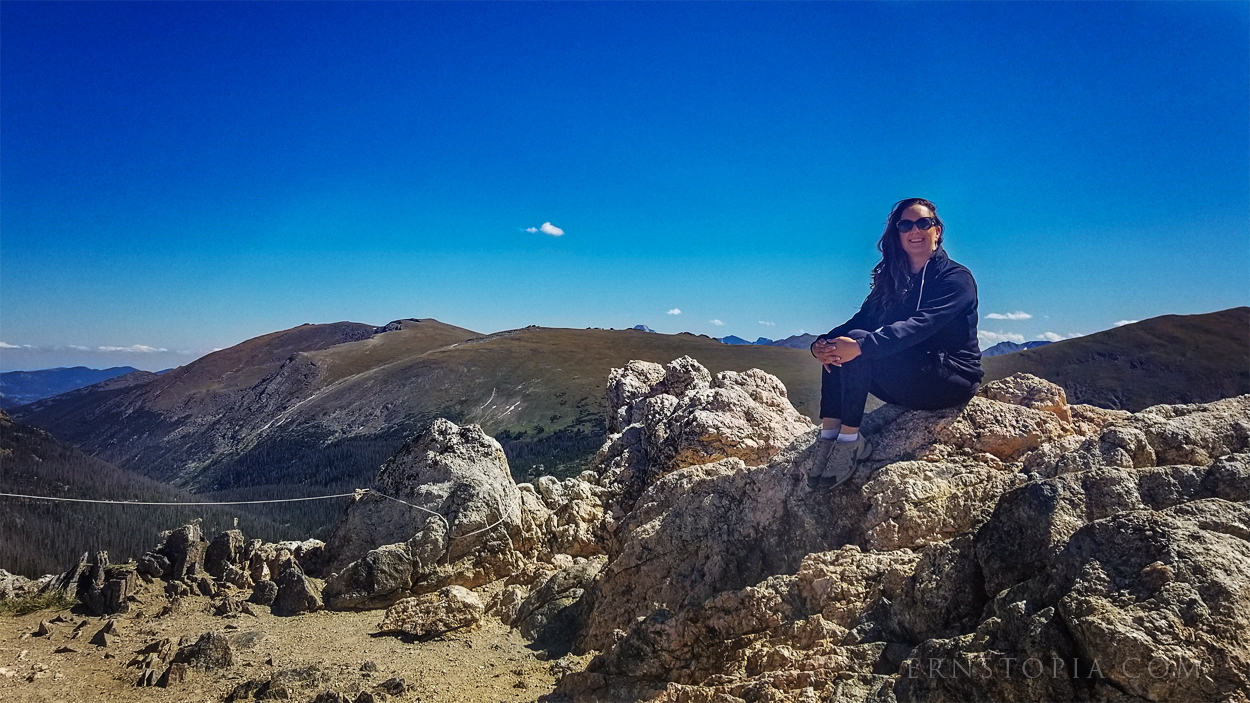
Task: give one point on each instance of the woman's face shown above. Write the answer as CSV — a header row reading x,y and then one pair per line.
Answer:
x,y
919,243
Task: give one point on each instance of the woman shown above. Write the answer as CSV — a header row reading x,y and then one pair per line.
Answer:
x,y
913,343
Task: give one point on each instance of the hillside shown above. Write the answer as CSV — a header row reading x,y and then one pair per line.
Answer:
x,y
296,408
1167,359
21,387
38,537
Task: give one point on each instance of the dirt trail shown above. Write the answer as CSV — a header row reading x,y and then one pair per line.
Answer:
x,y
489,664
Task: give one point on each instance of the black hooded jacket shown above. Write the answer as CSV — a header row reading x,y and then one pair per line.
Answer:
x,y
937,319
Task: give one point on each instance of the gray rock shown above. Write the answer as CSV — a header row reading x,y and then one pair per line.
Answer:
x,y
937,562
68,582
154,565
377,580
210,651
236,577
224,551
296,594
264,593
553,612
184,548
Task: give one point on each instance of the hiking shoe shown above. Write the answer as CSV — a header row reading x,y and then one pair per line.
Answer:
x,y
843,460
820,456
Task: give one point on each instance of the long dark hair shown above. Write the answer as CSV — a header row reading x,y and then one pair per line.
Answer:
x,y
891,275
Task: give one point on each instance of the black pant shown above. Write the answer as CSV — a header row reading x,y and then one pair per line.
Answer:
x,y
914,380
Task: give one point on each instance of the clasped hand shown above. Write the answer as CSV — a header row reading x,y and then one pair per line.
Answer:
x,y
835,352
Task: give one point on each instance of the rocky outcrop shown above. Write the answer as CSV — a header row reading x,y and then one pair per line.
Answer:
x,y
106,589
1017,532
664,418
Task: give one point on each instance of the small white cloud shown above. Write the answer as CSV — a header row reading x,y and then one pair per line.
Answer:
x,y
996,337
674,311
769,324
1122,323
79,347
546,228
718,323
5,345
137,348
1018,315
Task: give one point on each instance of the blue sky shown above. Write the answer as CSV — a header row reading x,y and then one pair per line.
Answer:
x,y
184,176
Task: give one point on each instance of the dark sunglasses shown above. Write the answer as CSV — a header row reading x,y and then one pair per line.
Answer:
x,y
925,223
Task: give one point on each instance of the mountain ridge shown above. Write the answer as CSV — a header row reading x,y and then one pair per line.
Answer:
x,y
22,387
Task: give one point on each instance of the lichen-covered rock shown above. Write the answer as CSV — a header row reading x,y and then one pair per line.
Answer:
x,y
913,503
1001,430
16,586
711,528
1031,392
625,386
460,474
447,609
1145,587
576,520
1195,434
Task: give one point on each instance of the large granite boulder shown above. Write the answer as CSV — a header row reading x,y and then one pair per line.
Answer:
x,y
448,506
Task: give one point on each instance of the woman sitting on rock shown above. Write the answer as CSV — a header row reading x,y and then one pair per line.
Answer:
x,y
913,343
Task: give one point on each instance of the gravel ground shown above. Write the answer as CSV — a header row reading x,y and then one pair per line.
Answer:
x,y
312,653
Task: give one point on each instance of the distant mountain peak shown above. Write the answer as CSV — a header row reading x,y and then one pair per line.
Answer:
x,y
1009,347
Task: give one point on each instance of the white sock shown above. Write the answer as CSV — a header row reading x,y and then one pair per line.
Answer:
x,y
828,434
848,437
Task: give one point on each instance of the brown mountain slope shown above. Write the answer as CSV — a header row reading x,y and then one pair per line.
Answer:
x,y
330,415
1168,359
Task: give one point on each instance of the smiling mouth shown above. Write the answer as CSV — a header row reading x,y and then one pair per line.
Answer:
x,y
915,241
